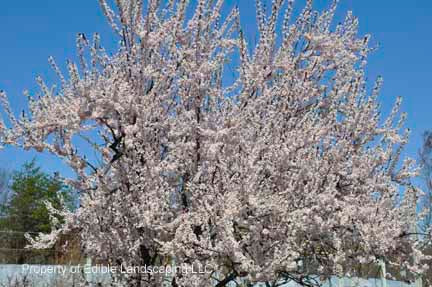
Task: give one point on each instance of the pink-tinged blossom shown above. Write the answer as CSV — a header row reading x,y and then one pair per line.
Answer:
x,y
286,173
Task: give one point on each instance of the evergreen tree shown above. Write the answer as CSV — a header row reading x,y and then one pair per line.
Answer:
x,y
25,210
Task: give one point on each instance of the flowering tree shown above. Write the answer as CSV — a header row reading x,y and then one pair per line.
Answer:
x,y
282,172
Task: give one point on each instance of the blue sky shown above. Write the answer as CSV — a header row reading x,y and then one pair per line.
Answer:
x,y
31,31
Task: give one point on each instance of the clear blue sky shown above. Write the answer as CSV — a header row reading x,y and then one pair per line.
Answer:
x,y
31,31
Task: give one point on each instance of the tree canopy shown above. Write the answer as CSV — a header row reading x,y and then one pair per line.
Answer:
x,y
287,172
